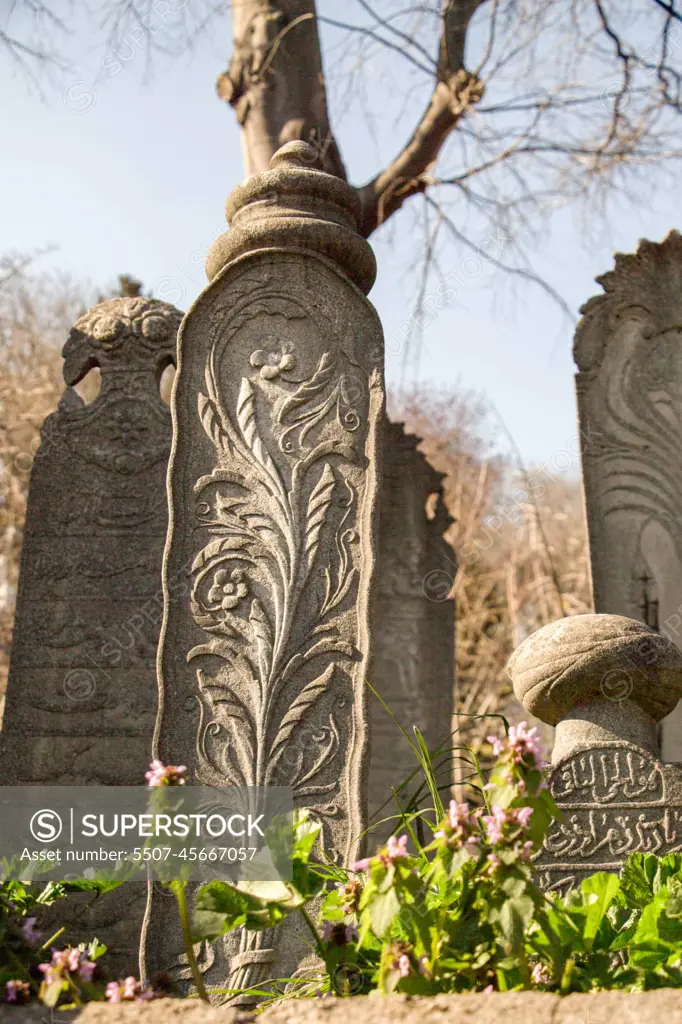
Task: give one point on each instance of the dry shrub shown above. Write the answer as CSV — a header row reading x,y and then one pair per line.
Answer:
x,y
36,312
520,540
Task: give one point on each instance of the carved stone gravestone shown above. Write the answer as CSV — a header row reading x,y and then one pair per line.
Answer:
x,y
273,505
414,618
81,694
604,681
628,348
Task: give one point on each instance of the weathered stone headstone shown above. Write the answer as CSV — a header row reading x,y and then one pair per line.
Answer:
x,y
628,349
604,681
81,694
414,619
273,504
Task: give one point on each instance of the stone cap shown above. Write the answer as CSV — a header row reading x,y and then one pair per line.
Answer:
x,y
583,658
121,330
296,205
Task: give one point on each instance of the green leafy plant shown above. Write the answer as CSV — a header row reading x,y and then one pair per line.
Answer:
x,y
449,905
461,911
30,965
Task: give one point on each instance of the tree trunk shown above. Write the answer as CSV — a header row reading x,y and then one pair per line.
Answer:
x,y
275,82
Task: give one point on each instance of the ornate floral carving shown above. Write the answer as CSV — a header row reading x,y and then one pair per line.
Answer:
x,y
277,497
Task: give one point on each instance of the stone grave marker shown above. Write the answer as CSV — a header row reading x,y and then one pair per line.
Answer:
x,y
414,618
628,349
604,681
273,487
81,694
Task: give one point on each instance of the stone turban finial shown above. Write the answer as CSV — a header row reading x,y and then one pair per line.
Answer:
x,y
581,659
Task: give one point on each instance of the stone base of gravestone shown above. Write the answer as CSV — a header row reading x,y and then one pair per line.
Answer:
x,y
616,799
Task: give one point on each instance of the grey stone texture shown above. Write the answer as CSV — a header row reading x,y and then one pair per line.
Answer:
x,y
89,608
495,1008
605,682
628,349
81,694
414,620
269,568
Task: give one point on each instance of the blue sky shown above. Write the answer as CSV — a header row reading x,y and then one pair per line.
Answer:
x,y
124,175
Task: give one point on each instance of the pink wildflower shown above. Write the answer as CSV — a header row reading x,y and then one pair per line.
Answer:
x,y
493,863
30,932
521,742
17,991
524,741
459,828
350,893
527,850
70,960
540,975
458,814
403,965
112,993
496,744
161,774
523,816
86,969
394,850
129,988
493,824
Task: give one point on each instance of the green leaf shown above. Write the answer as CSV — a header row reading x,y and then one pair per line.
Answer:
x,y
513,917
220,908
637,877
383,910
599,892
655,937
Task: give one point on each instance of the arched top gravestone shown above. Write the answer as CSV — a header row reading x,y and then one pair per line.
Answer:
x,y
605,682
628,350
81,693
89,603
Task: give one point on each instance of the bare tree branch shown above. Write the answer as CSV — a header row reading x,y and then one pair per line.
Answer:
x,y
455,93
669,9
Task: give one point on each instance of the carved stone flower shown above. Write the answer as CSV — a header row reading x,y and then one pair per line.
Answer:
x,y
228,588
272,362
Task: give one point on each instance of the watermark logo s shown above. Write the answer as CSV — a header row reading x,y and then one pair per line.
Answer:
x,y
46,826
79,97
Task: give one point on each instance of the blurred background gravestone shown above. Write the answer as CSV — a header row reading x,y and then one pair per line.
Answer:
x,y
605,682
414,618
628,349
81,693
